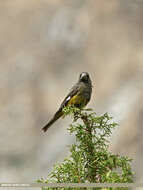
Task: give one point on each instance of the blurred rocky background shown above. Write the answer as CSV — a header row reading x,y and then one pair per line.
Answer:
x,y
44,46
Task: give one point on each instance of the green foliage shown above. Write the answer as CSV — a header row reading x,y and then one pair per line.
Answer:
x,y
90,160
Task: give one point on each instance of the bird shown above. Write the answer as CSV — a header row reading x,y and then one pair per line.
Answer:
x,y
79,96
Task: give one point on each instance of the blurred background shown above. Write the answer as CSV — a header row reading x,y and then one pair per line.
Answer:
x,y
44,46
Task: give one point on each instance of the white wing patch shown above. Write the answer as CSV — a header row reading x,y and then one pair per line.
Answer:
x,y
68,98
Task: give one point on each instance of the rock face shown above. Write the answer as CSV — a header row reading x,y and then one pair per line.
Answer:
x,y
44,46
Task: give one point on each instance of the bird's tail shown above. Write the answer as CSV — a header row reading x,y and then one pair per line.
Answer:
x,y
49,124
55,118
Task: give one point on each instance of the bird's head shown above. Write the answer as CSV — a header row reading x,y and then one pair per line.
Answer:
x,y
84,77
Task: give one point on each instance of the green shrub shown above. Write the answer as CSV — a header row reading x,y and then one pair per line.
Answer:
x,y
90,160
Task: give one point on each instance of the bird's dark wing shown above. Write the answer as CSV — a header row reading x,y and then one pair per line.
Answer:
x,y
59,113
72,92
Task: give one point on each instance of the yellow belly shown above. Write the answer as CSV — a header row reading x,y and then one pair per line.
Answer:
x,y
78,101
